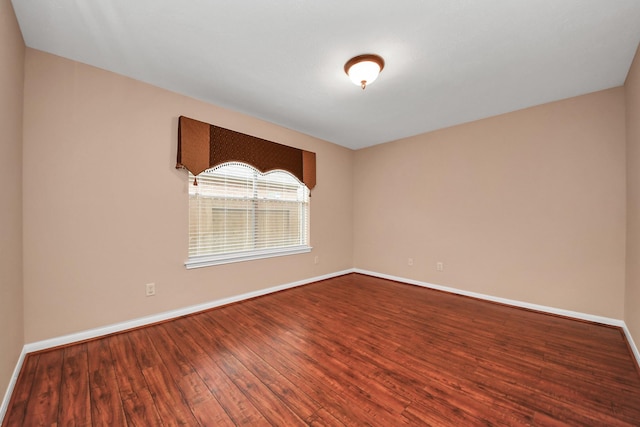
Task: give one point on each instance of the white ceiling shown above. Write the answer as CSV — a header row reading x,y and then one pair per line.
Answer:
x,y
447,61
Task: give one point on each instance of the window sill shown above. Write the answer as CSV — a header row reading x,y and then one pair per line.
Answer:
x,y
206,261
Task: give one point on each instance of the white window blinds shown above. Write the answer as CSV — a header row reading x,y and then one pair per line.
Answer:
x,y
236,211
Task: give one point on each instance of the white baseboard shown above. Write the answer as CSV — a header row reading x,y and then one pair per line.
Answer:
x,y
516,303
135,323
148,320
12,384
632,344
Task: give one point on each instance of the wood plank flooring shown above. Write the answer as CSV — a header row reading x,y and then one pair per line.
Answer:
x,y
349,351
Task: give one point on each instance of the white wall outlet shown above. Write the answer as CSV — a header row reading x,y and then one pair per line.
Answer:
x,y
439,266
410,261
150,289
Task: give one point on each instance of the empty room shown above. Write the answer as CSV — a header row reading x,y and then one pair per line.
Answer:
x,y
320,213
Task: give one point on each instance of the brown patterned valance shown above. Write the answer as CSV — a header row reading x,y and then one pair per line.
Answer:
x,y
202,146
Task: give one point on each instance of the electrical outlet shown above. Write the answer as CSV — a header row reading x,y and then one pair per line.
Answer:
x,y
150,289
410,261
439,266
316,260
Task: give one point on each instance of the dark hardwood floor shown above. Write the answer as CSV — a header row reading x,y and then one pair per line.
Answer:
x,y
353,351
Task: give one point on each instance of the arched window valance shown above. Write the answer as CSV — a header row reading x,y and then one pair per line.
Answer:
x,y
202,146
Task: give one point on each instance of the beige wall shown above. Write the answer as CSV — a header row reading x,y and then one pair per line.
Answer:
x,y
105,211
632,296
528,206
11,89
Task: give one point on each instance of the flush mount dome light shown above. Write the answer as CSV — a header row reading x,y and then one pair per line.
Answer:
x,y
364,69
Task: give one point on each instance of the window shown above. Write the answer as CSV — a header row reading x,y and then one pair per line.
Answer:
x,y
237,213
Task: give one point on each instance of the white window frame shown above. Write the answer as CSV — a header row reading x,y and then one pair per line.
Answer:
x,y
255,254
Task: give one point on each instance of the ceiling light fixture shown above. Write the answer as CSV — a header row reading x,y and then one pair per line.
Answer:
x,y
364,69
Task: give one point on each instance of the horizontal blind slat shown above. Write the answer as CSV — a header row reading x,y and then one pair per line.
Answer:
x,y
234,208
